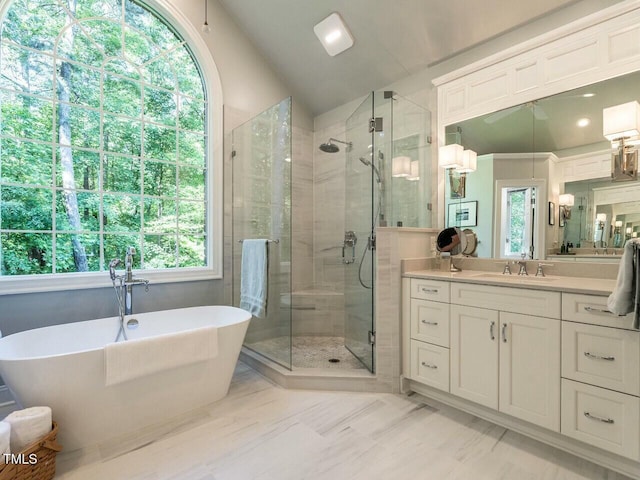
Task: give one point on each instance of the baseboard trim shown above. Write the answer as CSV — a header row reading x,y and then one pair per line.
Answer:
x,y
608,460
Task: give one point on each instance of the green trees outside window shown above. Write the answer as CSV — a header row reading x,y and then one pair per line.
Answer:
x,y
102,139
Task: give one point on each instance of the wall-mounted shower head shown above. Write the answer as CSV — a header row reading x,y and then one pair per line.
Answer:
x,y
331,147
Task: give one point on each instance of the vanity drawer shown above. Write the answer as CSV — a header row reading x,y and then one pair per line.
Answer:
x,y
430,322
606,357
592,309
599,417
430,290
540,303
430,365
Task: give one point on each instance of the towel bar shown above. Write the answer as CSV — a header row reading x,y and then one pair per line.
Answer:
x,y
277,240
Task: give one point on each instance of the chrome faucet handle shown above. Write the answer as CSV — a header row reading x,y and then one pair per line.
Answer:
x,y
112,268
523,268
507,269
540,271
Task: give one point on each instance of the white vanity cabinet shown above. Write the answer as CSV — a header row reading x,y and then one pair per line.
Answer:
x,y
507,361
429,332
600,376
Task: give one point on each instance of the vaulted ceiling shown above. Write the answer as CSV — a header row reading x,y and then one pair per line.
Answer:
x,y
393,38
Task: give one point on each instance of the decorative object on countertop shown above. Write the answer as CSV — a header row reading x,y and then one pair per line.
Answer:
x,y
36,461
625,298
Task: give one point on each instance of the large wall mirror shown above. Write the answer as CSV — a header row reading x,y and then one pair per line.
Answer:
x,y
531,154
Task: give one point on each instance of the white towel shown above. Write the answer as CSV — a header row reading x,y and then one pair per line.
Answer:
x,y
254,277
28,425
5,441
623,298
136,358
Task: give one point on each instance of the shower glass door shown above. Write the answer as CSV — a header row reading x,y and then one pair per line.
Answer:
x,y
261,192
359,213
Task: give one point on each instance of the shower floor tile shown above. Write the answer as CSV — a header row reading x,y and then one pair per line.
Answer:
x,y
310,352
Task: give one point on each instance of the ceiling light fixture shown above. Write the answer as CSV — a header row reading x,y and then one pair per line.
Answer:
x,y
205,26
583,122
334,34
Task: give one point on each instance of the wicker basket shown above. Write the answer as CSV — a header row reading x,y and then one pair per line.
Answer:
x,y
38,460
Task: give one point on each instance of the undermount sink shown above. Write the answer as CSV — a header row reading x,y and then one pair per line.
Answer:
x,y
513,277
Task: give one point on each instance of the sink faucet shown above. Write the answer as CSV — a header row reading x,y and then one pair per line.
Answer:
x,y
507,269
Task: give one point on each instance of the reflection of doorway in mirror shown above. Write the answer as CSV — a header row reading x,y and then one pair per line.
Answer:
x,y
457,183
518,223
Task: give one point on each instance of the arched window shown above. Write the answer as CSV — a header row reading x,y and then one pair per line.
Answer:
x,y
104,140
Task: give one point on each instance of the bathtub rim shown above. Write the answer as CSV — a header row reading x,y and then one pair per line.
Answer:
x,y
243,316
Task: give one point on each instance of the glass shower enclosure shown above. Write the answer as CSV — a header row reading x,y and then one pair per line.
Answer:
x,y
261,208
336,308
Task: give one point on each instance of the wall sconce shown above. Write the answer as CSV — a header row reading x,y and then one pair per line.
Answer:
x,y
566,201
601,219
415,171
469,162
401,166
451,156
621,123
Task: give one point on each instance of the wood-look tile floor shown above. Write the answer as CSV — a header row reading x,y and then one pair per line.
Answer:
x,y
261,431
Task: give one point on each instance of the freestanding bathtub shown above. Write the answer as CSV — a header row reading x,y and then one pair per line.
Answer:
x,y
63,367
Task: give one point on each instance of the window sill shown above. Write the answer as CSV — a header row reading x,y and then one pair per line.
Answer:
x,y
82,281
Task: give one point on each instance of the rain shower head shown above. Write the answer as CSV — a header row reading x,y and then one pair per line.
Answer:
x,y
331,147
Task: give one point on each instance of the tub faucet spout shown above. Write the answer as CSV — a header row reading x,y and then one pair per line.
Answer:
x,y
130,281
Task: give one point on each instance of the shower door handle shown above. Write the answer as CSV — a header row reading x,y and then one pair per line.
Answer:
x,y
350,240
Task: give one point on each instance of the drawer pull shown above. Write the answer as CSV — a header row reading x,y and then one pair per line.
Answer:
x,y
596,310
598,419
429,290
491,334
504,332
599,357
429,365
426,322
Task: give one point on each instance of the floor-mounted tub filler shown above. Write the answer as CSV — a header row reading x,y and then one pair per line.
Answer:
x,y
175,361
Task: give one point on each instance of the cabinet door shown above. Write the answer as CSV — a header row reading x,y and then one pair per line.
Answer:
x,y
474,354
530,369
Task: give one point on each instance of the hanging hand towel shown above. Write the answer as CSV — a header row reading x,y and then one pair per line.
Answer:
x,y
254,277
624,296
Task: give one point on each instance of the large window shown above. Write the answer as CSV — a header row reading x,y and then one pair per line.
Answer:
x,y
103,140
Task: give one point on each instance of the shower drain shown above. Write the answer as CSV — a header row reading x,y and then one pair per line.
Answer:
x,y
334,360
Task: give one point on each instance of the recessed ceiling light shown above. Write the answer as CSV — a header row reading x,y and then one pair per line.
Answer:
x,y
583,122
333,34
589,95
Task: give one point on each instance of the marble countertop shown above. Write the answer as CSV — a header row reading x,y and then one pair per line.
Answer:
x,y
554,283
